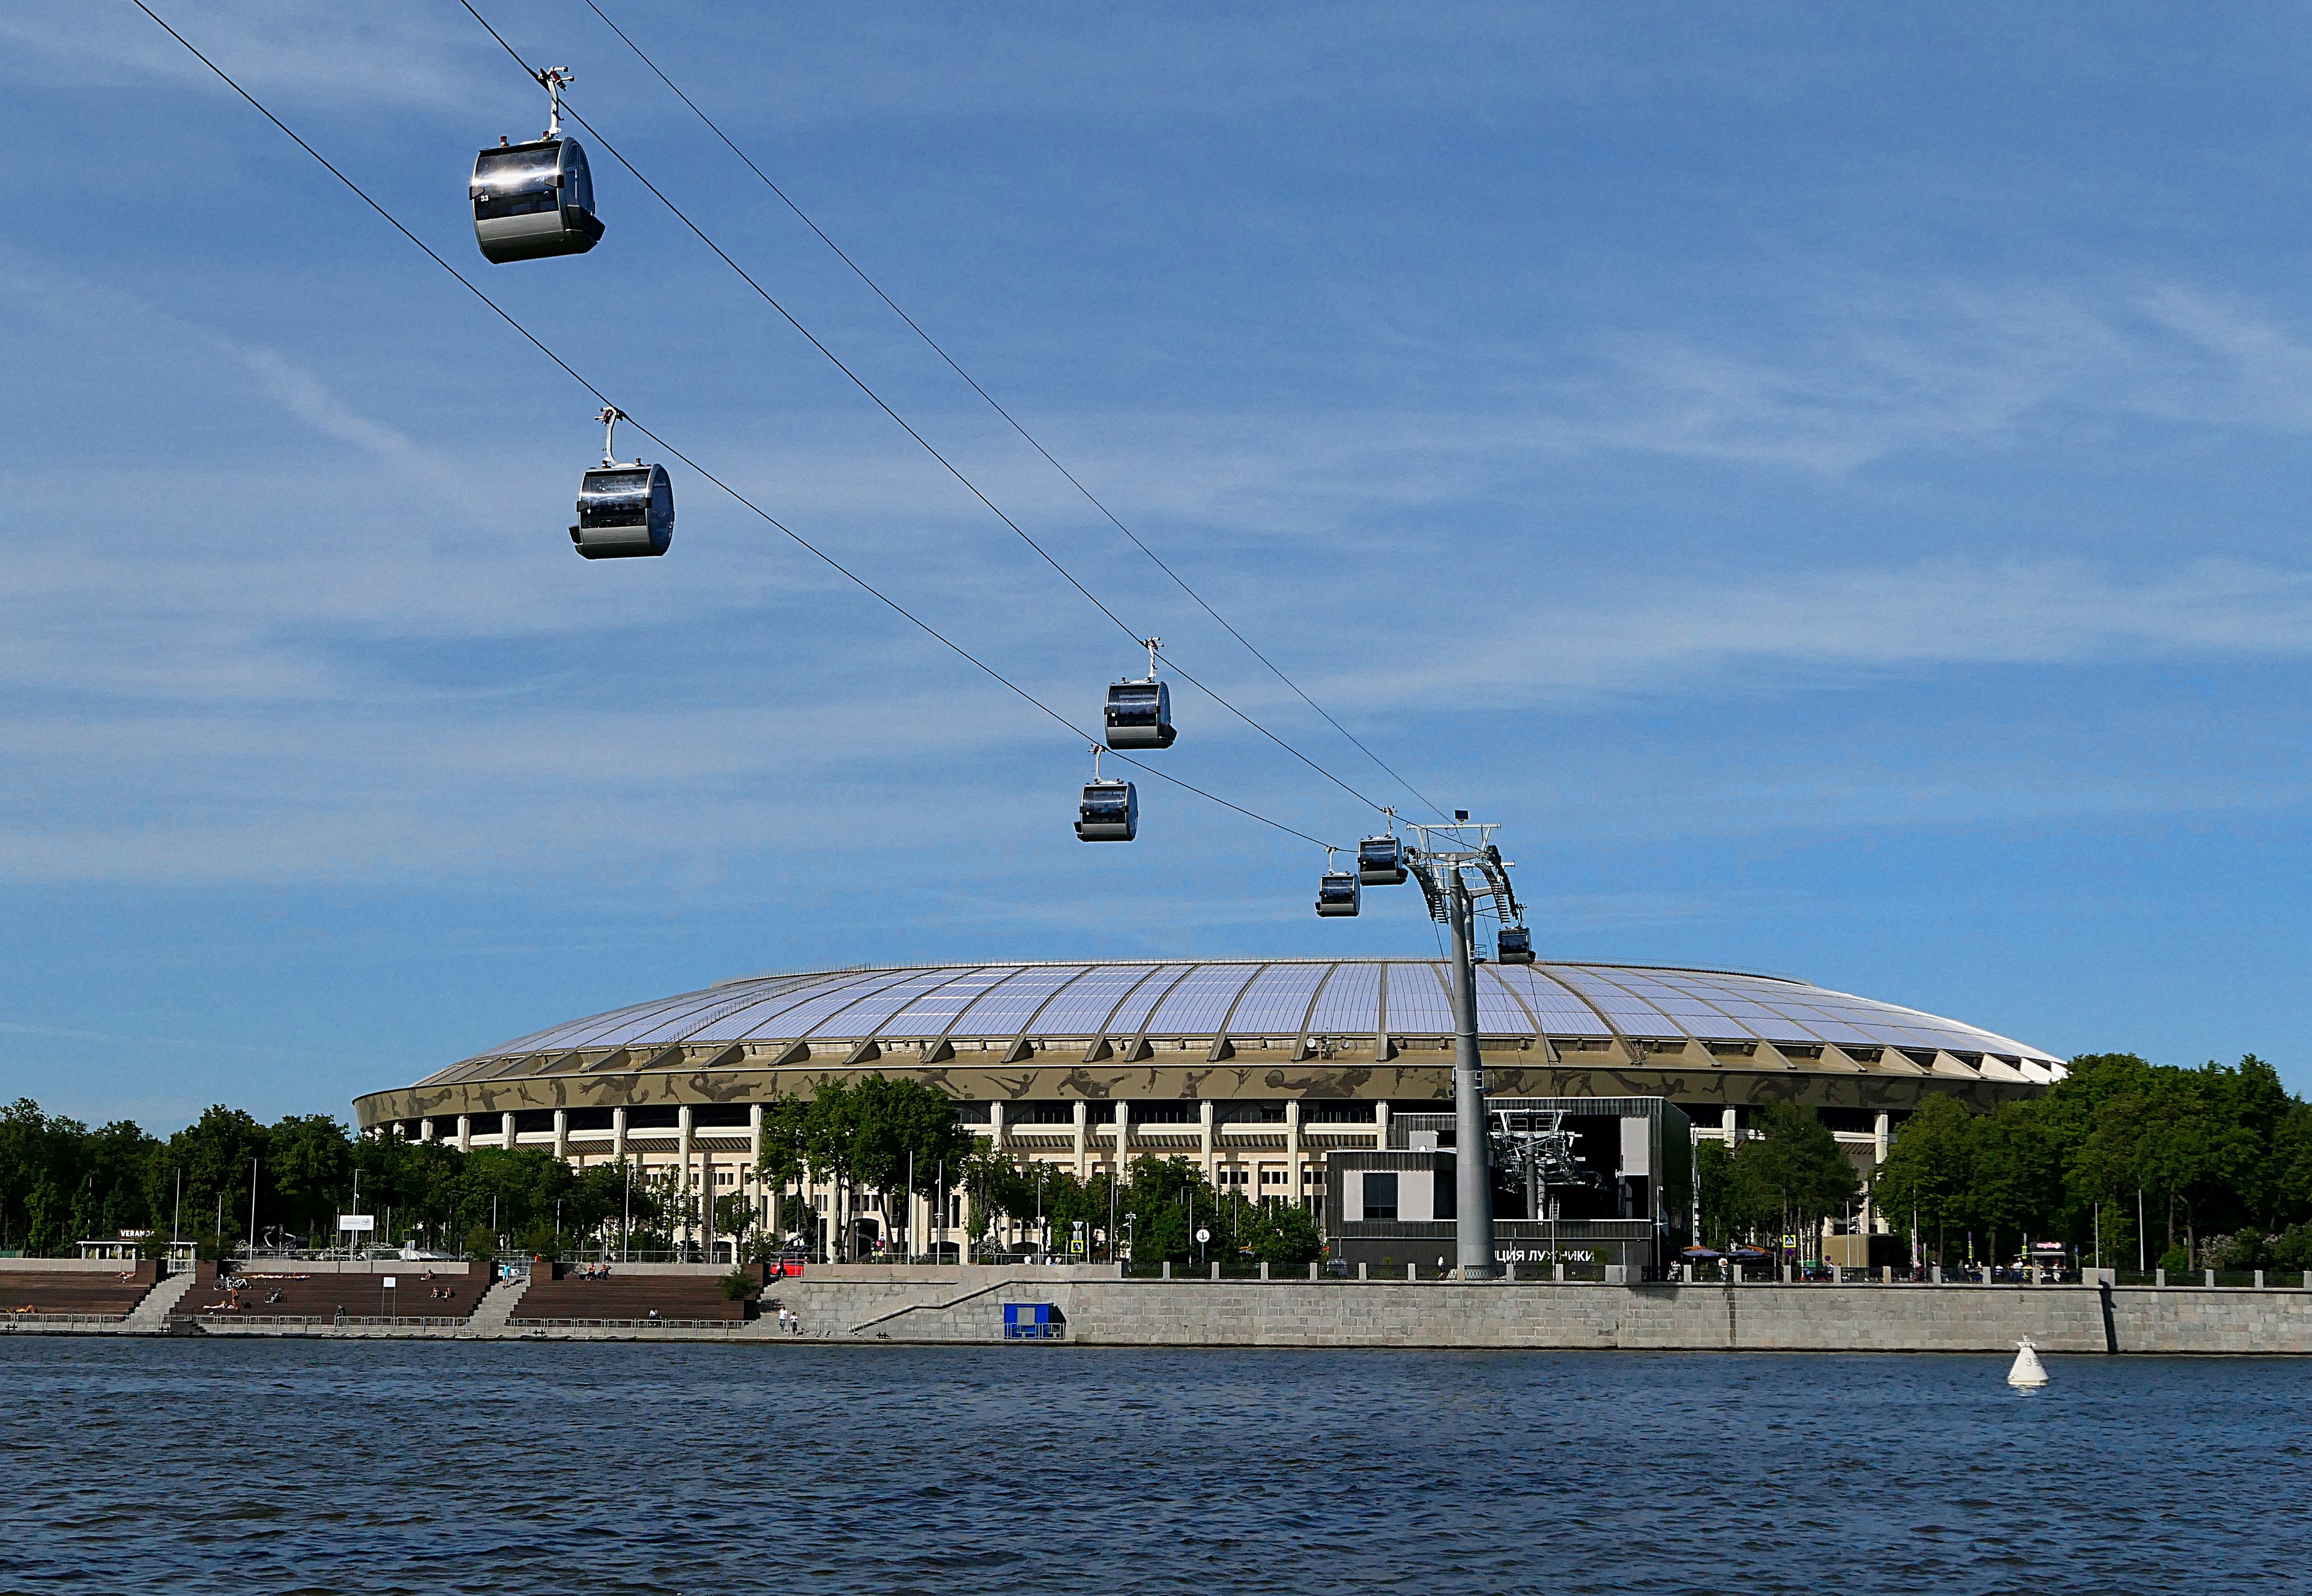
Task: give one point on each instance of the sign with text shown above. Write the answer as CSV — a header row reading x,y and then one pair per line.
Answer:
x,y
357,1222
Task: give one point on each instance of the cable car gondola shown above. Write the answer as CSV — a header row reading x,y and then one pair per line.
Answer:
x,y
622,510
1514,945
1110,810
1336,893
1140,713
536,199
1380,861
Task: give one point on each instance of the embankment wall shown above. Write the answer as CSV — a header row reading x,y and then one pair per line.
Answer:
x,y
1662,1318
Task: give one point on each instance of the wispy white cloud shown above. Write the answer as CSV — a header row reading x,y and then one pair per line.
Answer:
x,y
387,55
1849,628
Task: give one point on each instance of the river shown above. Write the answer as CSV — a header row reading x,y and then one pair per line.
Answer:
x,y
269,1466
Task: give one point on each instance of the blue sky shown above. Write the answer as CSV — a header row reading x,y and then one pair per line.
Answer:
x,y
1830,481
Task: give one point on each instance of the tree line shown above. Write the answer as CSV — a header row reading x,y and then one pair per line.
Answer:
x,y
2146,1165
2160,1166
62,1183
889,1137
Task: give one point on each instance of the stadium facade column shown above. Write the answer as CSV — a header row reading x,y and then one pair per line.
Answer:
x,y
1380,1125
707,1195
1204,1129
505,1131
682,1146
1881,1139
562,1133
619,1132
464,1133
1121,1129
425,1130
1296,1185
1084,1124
1730,1126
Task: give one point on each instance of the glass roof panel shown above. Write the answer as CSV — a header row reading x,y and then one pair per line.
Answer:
x,y
771,1017
867,1015
689,1024
1498,1013
575,1033
1001,998
1350,1004
1083,1008
1416,1002
932,1013
792,1018
1560,1013
1692,1008
1631,1013
1134,1013
1275,1001
1195,1006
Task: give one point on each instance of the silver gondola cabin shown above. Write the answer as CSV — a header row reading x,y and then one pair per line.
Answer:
x,y
623,509
1514,945
1110,812
536,199
1336,893
1140,713
1380,861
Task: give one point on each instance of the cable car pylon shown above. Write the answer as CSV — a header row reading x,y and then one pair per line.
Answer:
x,y
1442,863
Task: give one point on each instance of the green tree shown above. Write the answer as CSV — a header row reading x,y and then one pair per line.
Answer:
x,y
307,1178
1929,1169
1792,1173
1281,1235
217,1154
2018,1178
1168,1200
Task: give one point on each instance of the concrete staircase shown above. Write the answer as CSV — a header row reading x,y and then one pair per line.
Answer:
x,y
491,1313
151,1315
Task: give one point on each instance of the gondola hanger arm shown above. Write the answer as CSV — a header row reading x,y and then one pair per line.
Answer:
x,y
554,80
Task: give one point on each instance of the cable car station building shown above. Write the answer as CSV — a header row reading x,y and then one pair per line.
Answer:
x,y
1254,1068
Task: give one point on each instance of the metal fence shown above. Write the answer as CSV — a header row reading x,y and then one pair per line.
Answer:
x,y
321,1321
683,1324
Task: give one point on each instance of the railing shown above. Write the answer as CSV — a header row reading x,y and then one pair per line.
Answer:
x,y
41,1320
685,1324
325,1321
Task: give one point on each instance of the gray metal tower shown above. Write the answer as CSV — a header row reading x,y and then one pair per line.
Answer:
x,y
1439,862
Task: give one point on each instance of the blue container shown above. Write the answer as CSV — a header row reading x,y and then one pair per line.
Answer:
x,y
1033,1322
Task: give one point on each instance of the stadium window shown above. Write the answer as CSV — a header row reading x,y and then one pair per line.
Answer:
x,y
1381,1194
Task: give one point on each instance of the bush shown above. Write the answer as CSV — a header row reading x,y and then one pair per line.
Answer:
x,y
2238,1253
2175,1260
740,1285
2293,1249
481,1242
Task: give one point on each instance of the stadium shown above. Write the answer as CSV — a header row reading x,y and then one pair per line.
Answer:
x,y
1256,1069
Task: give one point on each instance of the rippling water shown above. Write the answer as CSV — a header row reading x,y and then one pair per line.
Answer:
x,y
248,1466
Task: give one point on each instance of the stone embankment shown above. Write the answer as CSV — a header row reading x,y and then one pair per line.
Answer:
x,y
966,1305
872,1305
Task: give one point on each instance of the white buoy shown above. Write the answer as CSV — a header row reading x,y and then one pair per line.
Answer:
x,y
2028,1369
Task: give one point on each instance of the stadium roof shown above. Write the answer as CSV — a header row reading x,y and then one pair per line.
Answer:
x,y
1291,1003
